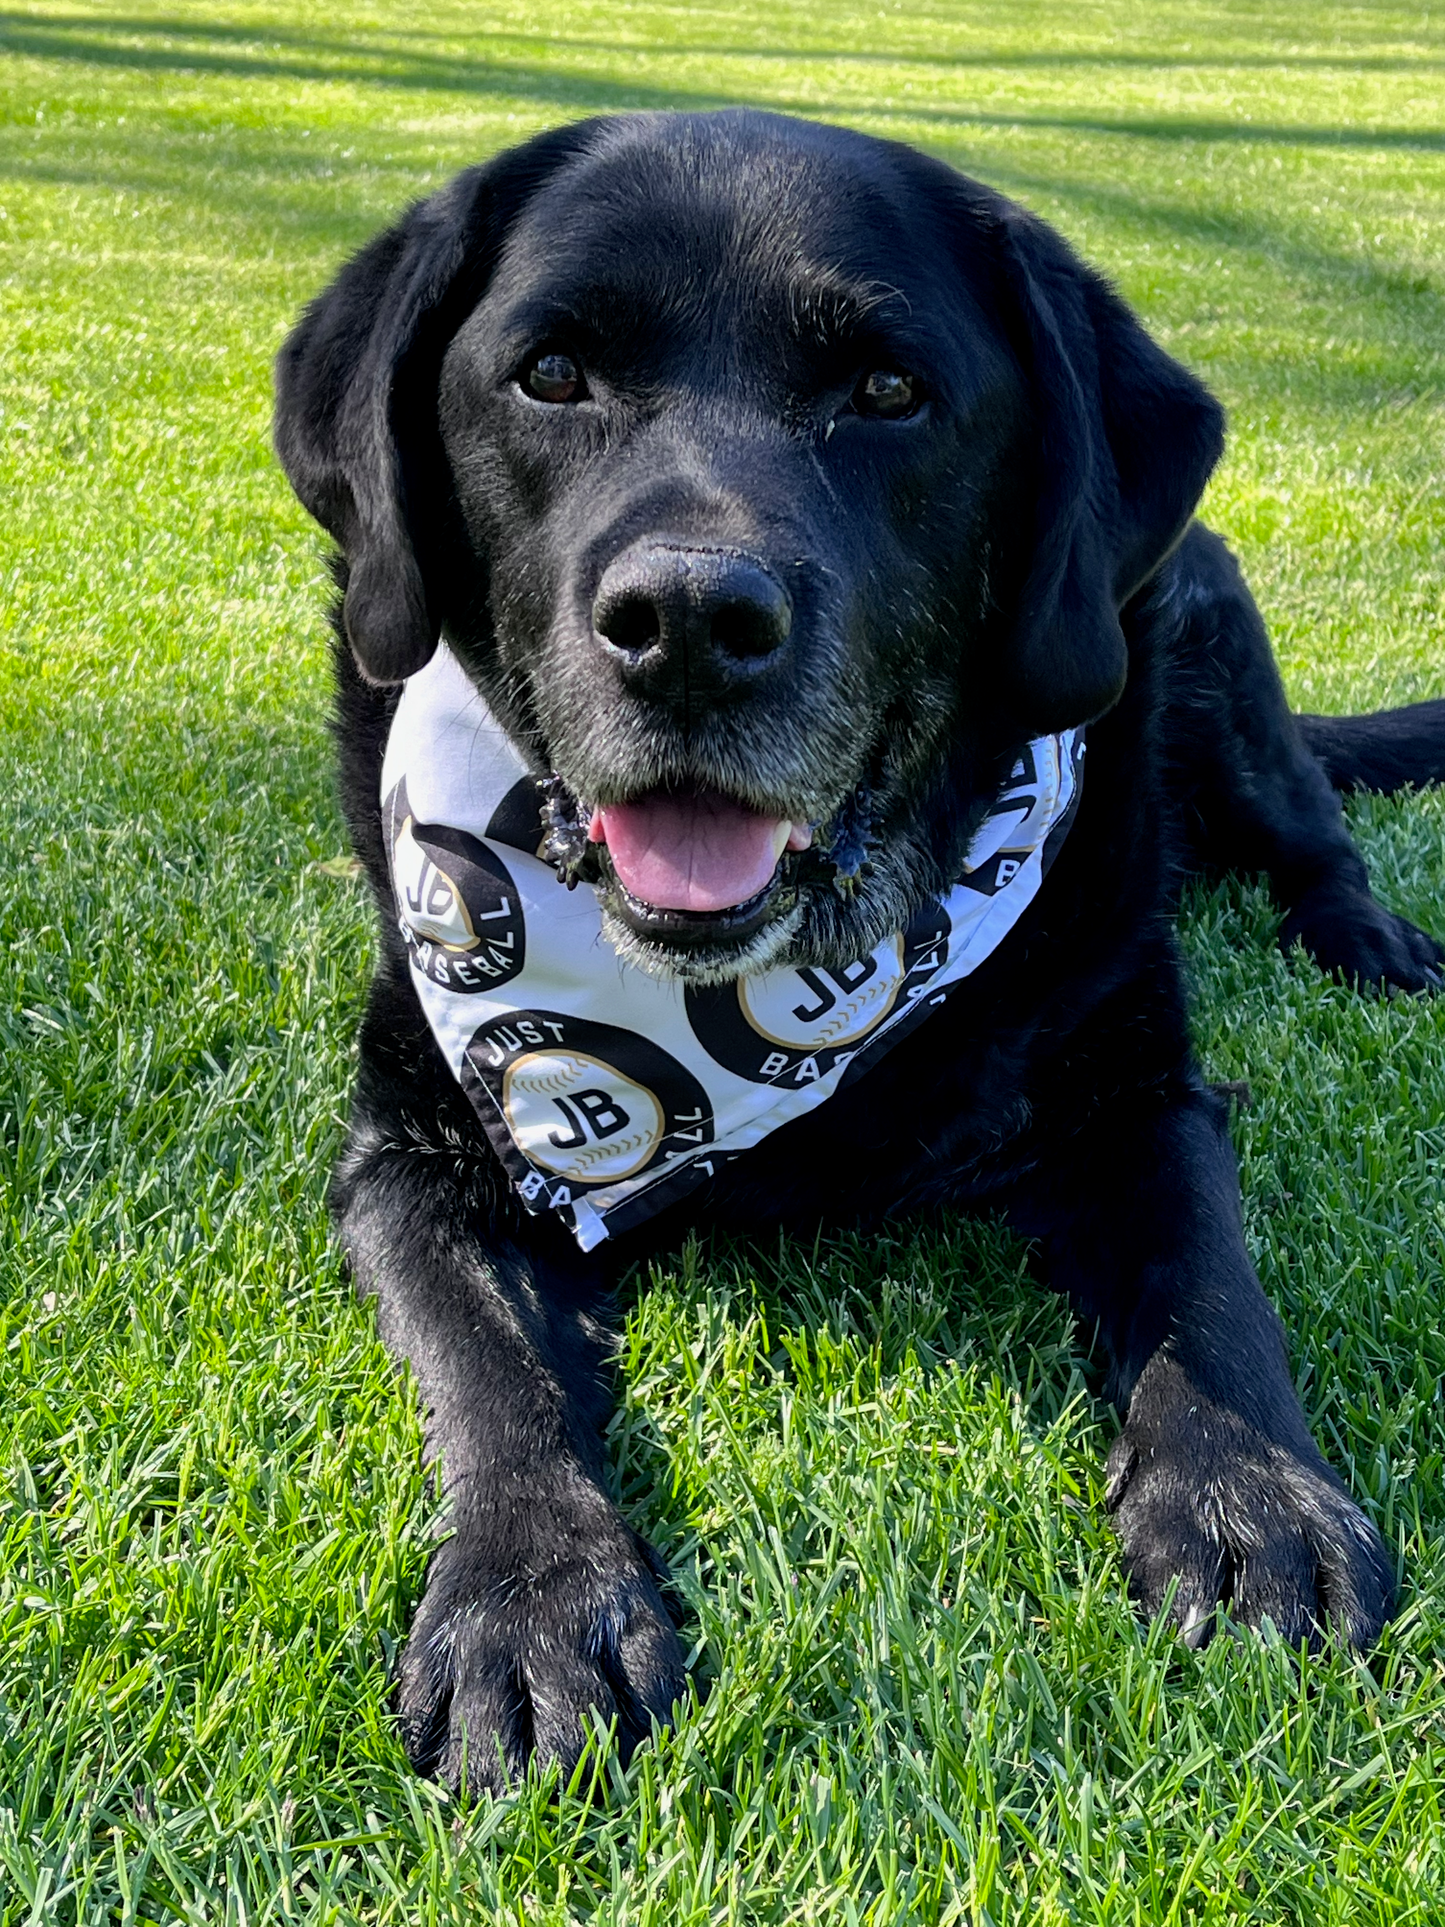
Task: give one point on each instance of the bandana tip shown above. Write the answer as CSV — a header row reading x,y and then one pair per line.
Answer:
x,y
589,1227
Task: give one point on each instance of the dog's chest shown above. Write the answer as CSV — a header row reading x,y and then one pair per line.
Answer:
x,y
944,1116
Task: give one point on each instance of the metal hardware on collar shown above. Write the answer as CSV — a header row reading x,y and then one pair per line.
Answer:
x,y
848,845
564,842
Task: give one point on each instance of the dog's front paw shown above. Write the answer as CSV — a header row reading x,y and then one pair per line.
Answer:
x,y
1353,937
520,1636
1202,1498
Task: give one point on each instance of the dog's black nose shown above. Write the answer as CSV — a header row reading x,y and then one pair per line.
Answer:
x,y
693,620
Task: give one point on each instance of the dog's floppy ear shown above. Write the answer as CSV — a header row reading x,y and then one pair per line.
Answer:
x,y
1127,439
356,418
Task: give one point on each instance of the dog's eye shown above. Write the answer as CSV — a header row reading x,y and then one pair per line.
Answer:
x,y
555,378
887,395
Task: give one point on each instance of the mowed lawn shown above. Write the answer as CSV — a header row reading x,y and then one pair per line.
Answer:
x,y
874,1464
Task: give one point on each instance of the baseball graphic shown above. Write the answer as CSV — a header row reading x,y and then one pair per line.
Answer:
x,y
598,1122
579,1117
457,905
1020,814
824,1009
573,1105
790,1027
432,904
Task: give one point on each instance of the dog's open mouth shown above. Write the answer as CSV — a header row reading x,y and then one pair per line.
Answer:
x,y
694,866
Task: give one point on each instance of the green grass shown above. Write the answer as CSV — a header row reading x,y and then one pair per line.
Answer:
x,y
875,1466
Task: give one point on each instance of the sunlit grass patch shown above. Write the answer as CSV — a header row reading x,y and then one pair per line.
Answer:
x,y
920,1693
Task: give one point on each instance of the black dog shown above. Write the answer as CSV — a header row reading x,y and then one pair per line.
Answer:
x,y
778,489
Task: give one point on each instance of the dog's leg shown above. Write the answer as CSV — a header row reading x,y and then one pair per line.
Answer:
x,y
1263,800
1214,1481
542,1603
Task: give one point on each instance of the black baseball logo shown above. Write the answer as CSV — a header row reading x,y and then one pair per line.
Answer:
x,y
1022,814
583,1105
792,1027
458,908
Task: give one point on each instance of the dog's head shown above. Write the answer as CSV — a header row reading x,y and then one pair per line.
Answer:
x,y
774,484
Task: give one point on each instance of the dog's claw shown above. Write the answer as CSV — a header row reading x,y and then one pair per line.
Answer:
x,y
1211,1512
1196,1626
507,1664
1356,939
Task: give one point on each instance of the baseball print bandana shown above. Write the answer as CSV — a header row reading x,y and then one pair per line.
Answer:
x,y
607,1093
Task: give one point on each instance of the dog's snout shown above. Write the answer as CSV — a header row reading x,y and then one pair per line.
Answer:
x,y
694,617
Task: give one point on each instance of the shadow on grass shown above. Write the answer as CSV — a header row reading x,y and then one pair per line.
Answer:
x,y
958,1290
845,1315
1032,60
269,179
1389,307
318,58
160,165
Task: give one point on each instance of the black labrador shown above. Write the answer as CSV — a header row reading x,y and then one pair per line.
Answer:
x,y
777,488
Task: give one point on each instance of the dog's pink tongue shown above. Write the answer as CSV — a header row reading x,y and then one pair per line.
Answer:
x,y
691,852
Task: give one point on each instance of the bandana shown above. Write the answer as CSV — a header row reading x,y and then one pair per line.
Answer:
x,y
607,1093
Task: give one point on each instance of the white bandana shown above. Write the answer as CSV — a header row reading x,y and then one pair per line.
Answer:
x,y
607,1093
